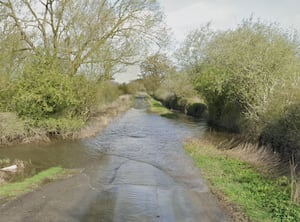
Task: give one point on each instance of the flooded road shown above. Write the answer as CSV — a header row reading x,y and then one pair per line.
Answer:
x,y
135,170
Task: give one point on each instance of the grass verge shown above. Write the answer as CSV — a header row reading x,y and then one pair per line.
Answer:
x,y
13,130
15,189
256,196
156,107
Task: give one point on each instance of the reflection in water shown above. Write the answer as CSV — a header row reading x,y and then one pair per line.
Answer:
x,y
136,170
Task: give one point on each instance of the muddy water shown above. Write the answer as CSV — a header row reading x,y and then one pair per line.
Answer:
x,y
135,170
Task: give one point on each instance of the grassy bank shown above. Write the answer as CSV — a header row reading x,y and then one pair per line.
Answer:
x,y
248,193
15,130
192,106
156,107
17,188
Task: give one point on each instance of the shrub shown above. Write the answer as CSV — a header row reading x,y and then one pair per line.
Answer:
x,y
59,125
39,96
43,94
283,132
106,92
241,70
250,81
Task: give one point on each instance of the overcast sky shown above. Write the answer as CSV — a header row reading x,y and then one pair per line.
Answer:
x,y
184,15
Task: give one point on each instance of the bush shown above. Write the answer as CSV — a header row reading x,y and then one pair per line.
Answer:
x,y
106,92
241,71
38,96
196,109
6,93
51,100
59,125
179,84
133,87
249,78
283,132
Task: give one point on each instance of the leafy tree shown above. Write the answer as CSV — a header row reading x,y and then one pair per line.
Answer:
x,y
179,84
43,93
241,70
154,70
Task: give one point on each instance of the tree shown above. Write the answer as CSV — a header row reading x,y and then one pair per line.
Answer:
x,y
154,69
191,52
9,45
242,70
179,84
79,34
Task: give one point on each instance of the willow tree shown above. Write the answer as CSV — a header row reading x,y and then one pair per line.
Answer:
x,y
85,33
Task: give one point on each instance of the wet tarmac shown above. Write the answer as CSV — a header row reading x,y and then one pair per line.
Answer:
x,y
136,170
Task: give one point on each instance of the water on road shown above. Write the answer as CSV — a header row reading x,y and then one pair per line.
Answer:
x,y
135,170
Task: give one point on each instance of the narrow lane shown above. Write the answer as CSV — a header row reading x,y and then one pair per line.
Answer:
x,y
135,170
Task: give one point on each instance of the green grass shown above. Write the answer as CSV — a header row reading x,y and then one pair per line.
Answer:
x,y
18,188
260,197
156,107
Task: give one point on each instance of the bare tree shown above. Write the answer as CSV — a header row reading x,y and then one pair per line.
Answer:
x,y
191,51
154,70
81,33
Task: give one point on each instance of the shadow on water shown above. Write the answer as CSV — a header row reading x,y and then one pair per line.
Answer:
x,y
135,170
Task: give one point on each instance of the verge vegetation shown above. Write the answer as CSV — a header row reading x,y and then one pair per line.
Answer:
x,y
14,189
156,107
248,78
18,130
58,59
246,81
245,190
